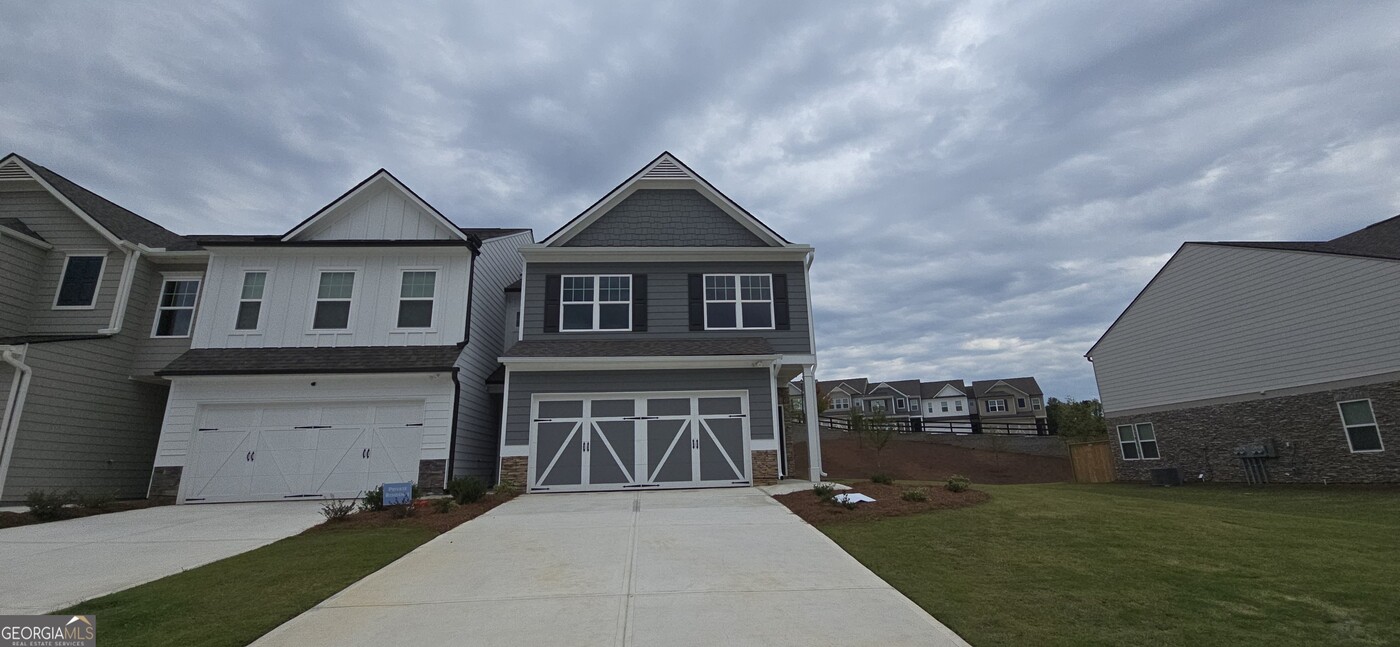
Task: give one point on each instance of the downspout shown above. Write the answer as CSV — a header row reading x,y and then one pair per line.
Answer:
x,y
14,406
123,292
456,419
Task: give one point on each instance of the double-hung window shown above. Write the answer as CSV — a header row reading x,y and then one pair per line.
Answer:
x,y
738,301
840,403
250,301
1359,421
914,404
1035,403
994,406
333,293
596,303
957,404
175,312
945,406
877,405
1020,403
901,403
77,289
1138,442
416,292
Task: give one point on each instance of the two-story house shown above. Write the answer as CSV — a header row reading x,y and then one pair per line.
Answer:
x,y
657,329
1265,361
93,299
334,357
1012,400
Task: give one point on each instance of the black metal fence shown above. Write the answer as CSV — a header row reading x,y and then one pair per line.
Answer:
x,y
912,426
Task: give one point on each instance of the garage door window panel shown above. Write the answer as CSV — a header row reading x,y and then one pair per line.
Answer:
x,y
611,451
721,449
669,451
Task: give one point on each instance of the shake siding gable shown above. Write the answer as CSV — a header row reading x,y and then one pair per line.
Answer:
x,y
665,218
1223,321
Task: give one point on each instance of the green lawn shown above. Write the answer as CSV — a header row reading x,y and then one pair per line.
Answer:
x,y
1132,565
235,600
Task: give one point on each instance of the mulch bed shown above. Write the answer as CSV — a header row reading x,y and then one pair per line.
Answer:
x,y
887,503
12,519
424,516
845,458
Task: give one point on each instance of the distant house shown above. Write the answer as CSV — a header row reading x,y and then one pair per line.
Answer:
x,y
1011,400
1261,360
952,404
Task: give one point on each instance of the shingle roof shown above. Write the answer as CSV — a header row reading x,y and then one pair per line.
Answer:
x,y
641,348
858,383
19,227
931,389
45,339
1027,385
123,224
1379,240
349,359
487,233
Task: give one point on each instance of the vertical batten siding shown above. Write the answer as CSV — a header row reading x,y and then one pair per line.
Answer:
x,y
67,233
478,424
379,214
19,265
290,295
668,300
757,381
1221,321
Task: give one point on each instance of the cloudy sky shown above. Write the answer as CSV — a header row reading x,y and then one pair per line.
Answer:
x,y
987,184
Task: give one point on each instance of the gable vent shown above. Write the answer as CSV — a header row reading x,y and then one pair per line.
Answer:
x,y
666,170
12,171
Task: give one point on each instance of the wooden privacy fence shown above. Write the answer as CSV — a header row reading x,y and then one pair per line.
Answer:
x,y
1091,461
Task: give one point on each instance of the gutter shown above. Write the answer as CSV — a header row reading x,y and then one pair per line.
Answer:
x,y
14,406
133,254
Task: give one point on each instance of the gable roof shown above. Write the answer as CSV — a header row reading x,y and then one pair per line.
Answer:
x,y
666,171
1026,385
309,361
907,388
1377,240
932,389
16,225
112,220
858,384
376,178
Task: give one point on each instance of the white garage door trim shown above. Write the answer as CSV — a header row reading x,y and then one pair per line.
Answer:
x,y
639,440
259,452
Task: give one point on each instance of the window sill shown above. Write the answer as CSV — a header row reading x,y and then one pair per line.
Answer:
x,y
90,307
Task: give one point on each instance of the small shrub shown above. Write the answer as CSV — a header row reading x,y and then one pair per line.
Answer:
x,y
824,491
466,490
882,478
97,500
846,503
508,488
337,509
443,505
958,483
914,495
373,500
403,511
47,506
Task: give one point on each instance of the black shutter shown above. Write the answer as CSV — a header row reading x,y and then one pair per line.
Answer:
x,y
639,302
781,321
697,301
551,302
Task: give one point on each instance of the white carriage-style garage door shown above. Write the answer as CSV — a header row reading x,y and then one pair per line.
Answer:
x,y
298,451
610,441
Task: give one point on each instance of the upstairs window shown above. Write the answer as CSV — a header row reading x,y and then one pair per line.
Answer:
x,y
945,406
877,405
901,403
416,291
1035,403
77,288
914,404
595,303
250,301
1020,403
1359,421
957,404
994,406
1138,442
738,301
175,312
333,295
841,403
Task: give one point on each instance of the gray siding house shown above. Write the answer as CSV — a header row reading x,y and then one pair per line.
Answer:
x,y
94,299
1261,360
658,329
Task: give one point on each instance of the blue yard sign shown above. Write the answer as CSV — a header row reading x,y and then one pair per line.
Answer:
x,y
398,493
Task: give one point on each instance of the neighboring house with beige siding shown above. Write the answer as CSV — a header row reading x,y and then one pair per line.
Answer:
x,y
82,330
1287,348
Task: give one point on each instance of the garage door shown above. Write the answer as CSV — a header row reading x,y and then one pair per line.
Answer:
x,y
270,452
634,441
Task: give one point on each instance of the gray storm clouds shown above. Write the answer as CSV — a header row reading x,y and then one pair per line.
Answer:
x,y
987,184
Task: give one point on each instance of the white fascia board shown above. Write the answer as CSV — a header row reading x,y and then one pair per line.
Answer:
x,y
277,249
636,363
6,231
112,238
541,254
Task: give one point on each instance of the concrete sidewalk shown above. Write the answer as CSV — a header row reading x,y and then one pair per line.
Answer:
x,y
697,567
49,566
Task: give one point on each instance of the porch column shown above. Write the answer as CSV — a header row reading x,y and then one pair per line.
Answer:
x,y
814,435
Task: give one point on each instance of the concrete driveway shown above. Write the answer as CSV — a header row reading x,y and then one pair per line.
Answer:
x,y
48,566
699,567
